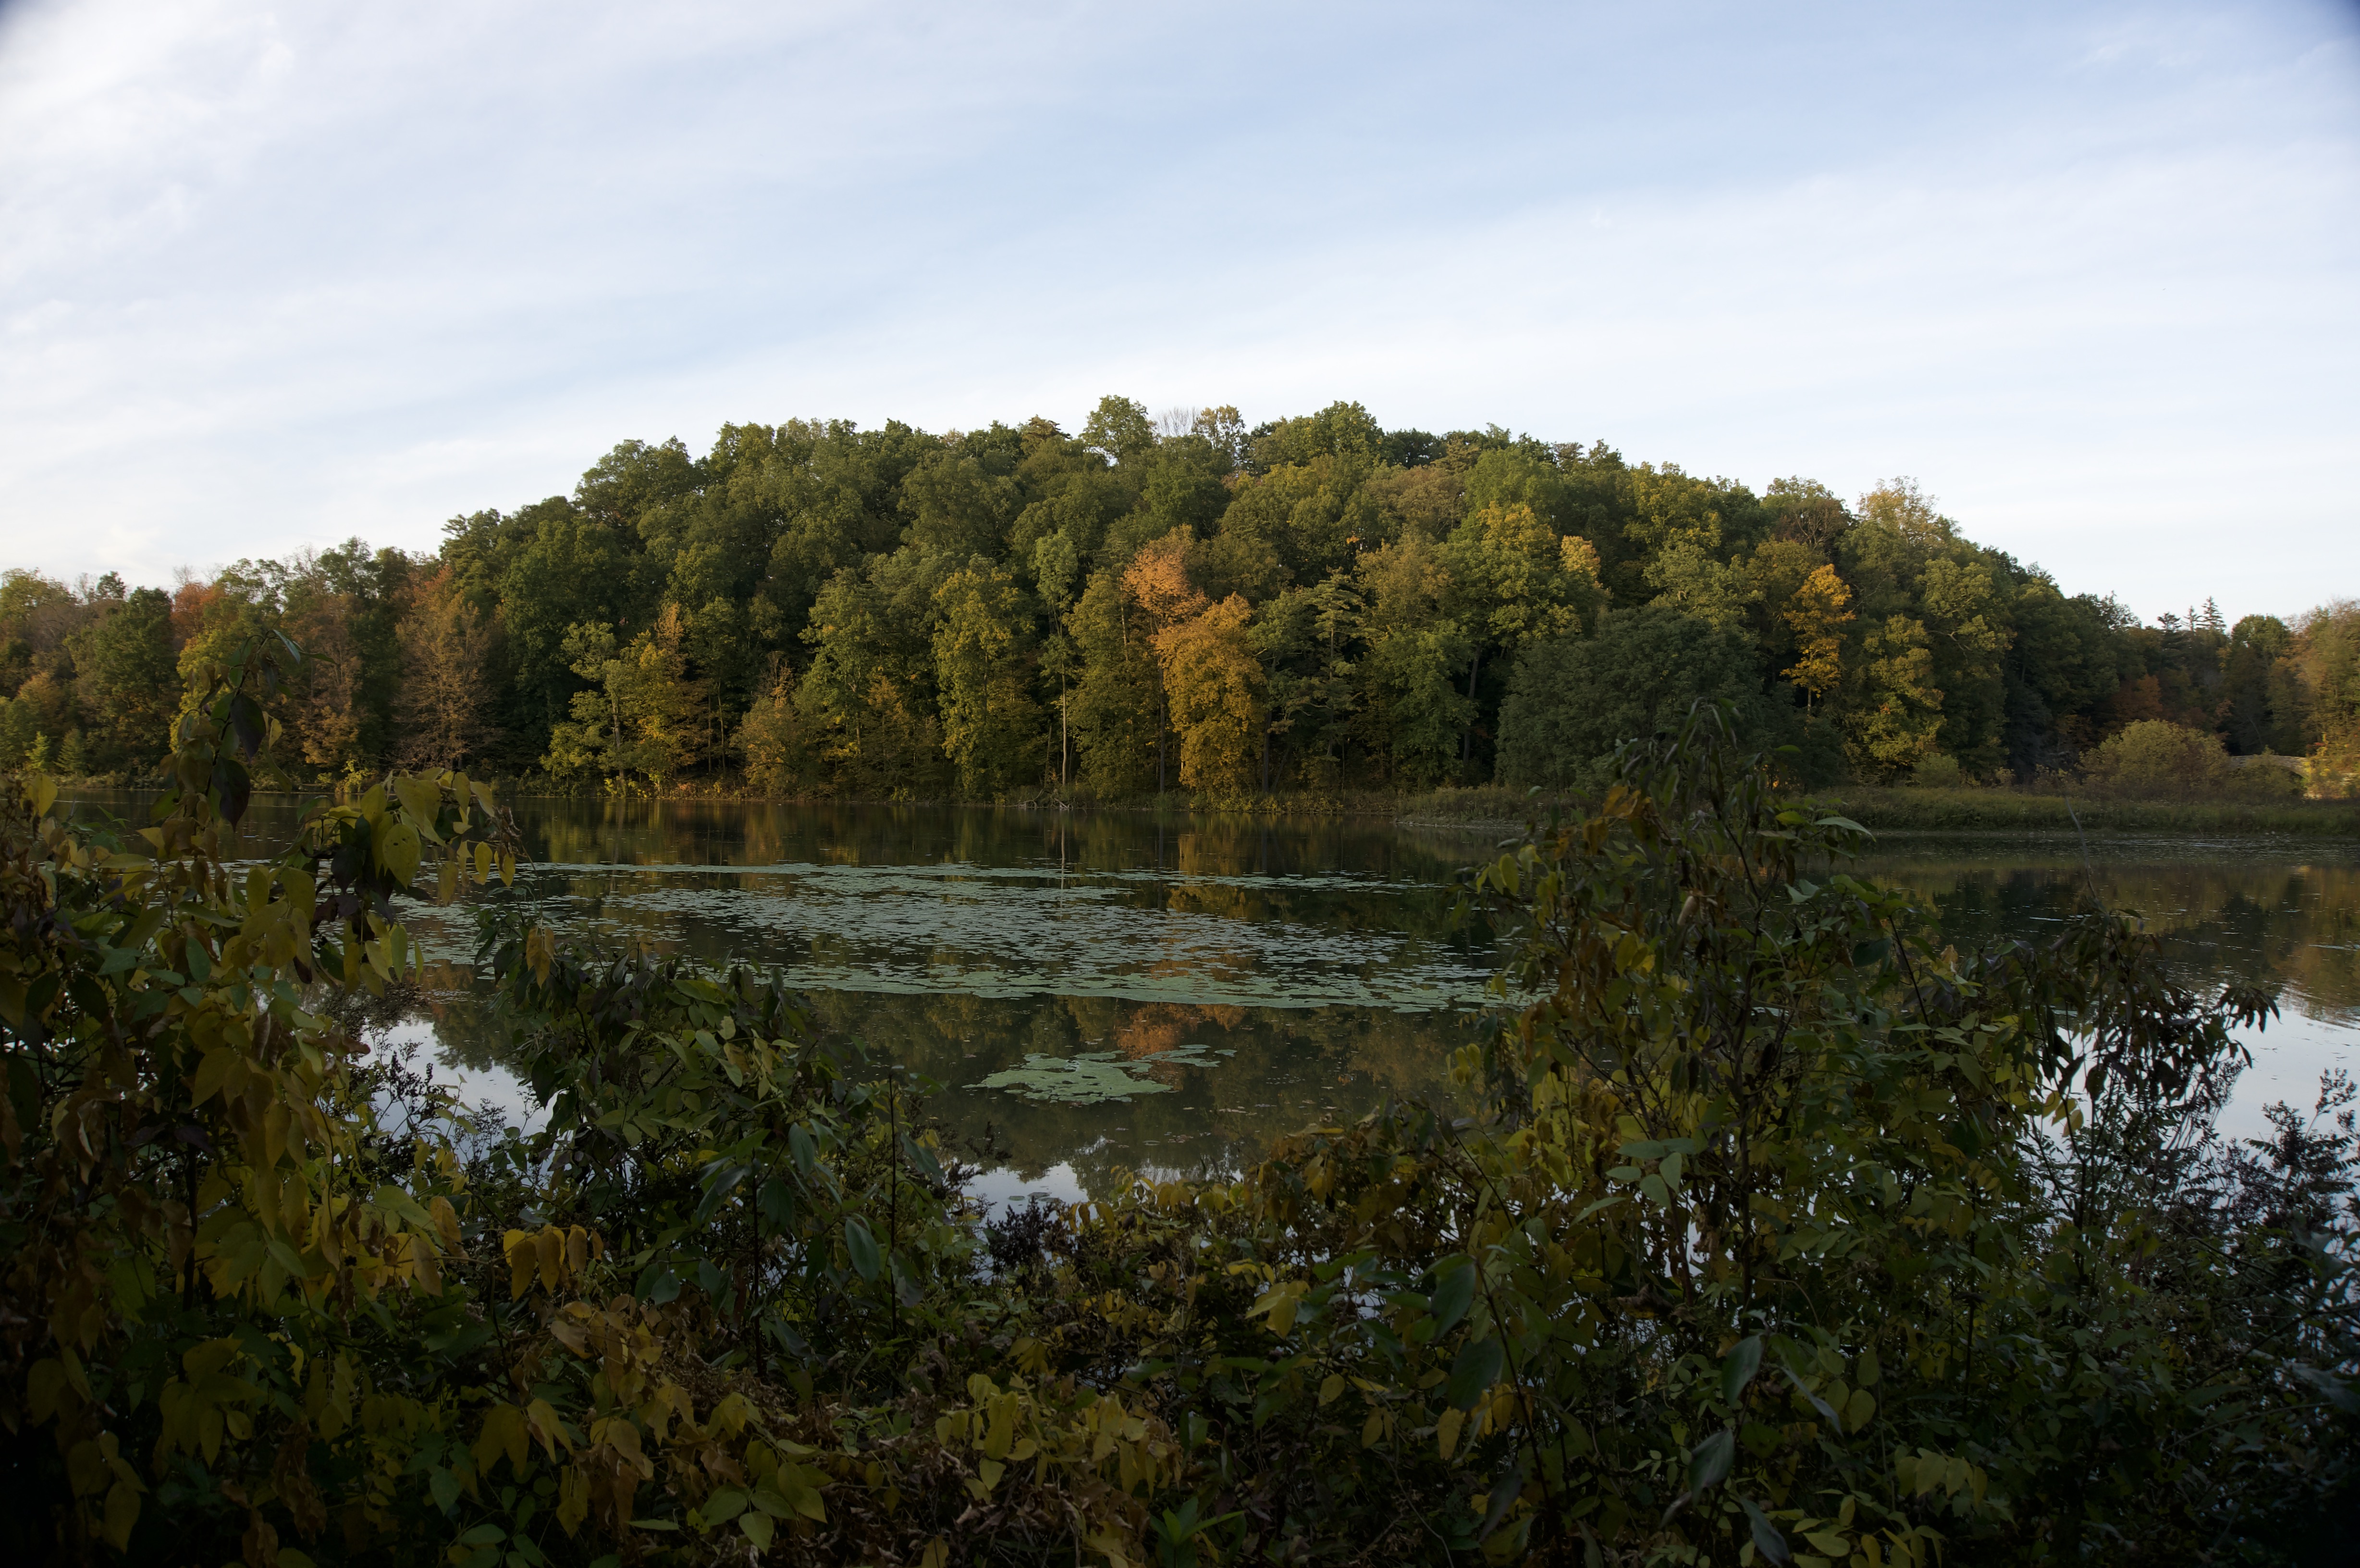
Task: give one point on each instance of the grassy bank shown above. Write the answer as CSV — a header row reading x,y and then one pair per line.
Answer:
x,y
1960,810
1494,807
2018,811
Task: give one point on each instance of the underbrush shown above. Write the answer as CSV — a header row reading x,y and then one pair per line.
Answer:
x,y
1785,1234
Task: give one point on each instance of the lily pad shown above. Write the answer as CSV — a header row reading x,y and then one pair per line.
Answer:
x,y
1095,1077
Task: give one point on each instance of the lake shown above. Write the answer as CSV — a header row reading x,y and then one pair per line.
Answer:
x,y
1167,993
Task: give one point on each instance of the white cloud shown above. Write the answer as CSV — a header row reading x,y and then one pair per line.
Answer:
x,y
271,278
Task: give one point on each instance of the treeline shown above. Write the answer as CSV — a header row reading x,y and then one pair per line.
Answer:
x,y
1150,606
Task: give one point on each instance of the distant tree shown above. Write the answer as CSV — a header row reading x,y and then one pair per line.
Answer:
x,y
1573,700
446,695
128,680
1818,613
991,725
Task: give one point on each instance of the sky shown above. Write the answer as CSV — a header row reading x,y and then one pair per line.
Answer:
x,y
271,276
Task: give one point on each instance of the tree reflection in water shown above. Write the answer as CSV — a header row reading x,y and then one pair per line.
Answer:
x,y
1319,951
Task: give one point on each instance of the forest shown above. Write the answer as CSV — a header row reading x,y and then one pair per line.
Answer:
x,y
1182,604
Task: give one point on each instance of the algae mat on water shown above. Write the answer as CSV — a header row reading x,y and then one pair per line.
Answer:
x,y
1095,1077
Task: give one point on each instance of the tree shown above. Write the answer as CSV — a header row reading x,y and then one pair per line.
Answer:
x,y
991,725
1114,710
638,715
446,692
1216,684
129,680
772,738
1896,714
1817,615
1572,701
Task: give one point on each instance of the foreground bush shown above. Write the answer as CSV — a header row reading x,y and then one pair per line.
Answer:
x,y
1782,1234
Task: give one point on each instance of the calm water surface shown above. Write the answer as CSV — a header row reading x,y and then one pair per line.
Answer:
x,y
1238,979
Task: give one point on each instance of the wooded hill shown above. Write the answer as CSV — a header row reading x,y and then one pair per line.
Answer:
x,y
1183,603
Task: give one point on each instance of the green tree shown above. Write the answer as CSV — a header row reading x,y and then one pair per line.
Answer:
x,y
129,681
1572,701
991,725
1115,710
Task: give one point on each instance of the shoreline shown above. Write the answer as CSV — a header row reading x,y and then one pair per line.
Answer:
x,y
1506,809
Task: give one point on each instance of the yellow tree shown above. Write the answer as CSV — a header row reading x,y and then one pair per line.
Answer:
x,y
1216,688
1818,613
1156,582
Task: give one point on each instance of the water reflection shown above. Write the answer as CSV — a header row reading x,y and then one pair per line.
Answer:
x,y
1319,954
2280,910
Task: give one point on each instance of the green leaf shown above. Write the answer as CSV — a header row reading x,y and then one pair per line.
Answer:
x,y
445,1488
1475,1369
723,1506
1737,1369
1767,1542
862,1246
921,1159
1709,1463
1453,1294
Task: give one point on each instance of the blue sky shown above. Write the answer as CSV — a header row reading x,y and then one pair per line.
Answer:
x,y
270,277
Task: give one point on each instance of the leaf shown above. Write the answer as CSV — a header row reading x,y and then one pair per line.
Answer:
x,y
1446,1431
1476,1368
421,798
398,851
866,1261
758,1528
1859,1408
1737,1369
1453,1294
922,1161
1771,1545
2339,1393
1818,1403
1709,1461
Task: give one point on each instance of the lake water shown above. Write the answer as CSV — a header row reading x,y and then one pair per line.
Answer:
x,y
1168,993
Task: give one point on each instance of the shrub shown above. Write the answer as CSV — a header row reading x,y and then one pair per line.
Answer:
x,y
2156,760
1938,771
1779,1232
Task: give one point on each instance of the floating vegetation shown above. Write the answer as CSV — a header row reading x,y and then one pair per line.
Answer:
x,y
1095,1077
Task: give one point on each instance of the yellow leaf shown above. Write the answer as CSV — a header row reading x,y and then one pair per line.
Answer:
x,y
1331,1387
523,1257
397,852
122,1512
211,1074
420,798
1446,1431
503,1433
990,1470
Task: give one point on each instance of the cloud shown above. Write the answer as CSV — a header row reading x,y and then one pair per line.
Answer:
x,y
272,276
